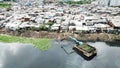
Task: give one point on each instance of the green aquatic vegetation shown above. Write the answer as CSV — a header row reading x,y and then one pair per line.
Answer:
x,y
40,43
86,47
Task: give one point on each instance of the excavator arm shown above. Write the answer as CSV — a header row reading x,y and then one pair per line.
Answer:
x,y
75,40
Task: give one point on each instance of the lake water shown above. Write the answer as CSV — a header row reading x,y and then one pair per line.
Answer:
x,y
16,55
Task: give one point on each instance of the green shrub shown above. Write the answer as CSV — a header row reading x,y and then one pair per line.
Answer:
x,y
50,23
78,2
43,27
4,5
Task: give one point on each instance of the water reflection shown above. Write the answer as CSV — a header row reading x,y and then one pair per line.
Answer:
x,y
108,57
16,55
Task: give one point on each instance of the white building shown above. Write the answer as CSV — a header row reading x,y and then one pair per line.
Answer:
x,y
109,2
1,0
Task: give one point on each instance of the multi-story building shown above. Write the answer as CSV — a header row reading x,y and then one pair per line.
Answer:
x,y
109,2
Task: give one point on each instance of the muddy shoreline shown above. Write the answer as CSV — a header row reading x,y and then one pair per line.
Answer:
x,y
55,35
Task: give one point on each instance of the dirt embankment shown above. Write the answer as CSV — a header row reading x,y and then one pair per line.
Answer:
x,y
55,35
99,37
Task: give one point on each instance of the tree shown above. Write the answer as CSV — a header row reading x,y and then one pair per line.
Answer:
x,y
50,23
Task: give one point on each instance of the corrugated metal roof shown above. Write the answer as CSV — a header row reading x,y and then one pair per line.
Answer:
x,y
116,21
